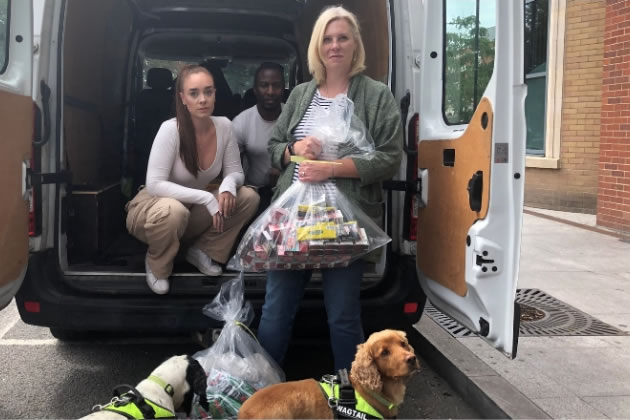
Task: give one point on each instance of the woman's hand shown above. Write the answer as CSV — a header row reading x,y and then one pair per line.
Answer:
x,y
309,147
227,203
316,171
217,221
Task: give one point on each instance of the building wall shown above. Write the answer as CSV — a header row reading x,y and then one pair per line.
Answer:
x,y
573,186
613,207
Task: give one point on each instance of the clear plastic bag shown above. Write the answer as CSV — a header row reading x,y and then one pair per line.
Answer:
x,y
236,363
225,395
341,132
313,225
310,226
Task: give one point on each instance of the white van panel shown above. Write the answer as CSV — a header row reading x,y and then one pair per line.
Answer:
x,y
483,301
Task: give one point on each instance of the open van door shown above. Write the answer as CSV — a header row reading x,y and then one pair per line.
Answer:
x,y
471,162
16,135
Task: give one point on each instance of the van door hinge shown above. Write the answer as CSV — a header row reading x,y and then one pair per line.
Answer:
x,y
406,186
35,179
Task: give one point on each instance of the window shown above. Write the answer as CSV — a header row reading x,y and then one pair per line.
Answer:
x,y
536,35
238,74
469,34
150,63
4,34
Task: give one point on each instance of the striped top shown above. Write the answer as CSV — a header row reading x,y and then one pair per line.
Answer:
x,y
305,127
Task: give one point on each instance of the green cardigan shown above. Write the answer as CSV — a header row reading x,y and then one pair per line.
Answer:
x,y
375,105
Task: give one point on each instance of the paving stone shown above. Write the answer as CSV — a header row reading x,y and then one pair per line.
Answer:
x,y
563,280
613,407
621,321
569,408
522,372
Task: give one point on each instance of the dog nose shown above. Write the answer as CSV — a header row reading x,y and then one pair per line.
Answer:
x,y
411,360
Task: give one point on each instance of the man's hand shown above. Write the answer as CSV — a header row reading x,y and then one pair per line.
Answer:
x,y
272,176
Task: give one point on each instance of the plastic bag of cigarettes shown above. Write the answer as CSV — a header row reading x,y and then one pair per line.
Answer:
x,y
310,226
341,133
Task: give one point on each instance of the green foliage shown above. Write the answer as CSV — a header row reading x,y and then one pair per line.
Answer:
x,y
4,8
462,57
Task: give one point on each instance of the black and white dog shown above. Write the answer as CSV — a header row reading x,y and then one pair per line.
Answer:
x,y
169,388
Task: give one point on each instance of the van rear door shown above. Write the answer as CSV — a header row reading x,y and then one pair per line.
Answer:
x,y
16,125
471,161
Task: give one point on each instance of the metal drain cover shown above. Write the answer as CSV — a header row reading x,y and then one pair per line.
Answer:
x,y
541,315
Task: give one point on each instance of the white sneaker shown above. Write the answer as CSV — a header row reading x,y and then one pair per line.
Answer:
x,y
199,259
159,286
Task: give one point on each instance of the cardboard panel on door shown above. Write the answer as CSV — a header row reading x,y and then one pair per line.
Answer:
x,y
455,167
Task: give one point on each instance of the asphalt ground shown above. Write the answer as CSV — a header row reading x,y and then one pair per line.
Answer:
x,y
42,377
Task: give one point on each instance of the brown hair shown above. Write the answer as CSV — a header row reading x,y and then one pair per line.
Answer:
x,y
314,54
187,140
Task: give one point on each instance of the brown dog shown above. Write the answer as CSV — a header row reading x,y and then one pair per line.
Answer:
x,y
380,371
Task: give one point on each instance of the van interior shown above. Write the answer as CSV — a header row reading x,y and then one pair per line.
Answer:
x,y
120,60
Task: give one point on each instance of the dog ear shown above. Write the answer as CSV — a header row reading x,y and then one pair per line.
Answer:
x,y
364,370
197,379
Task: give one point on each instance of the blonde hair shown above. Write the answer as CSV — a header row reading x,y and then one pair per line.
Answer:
x,y
315,61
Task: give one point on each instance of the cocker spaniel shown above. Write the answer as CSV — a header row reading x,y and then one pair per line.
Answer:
x,y
380,371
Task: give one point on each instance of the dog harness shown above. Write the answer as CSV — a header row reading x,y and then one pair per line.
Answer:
x,y
345,402
129,402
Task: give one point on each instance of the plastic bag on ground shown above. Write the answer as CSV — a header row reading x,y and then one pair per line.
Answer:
x,y
310,226
236,363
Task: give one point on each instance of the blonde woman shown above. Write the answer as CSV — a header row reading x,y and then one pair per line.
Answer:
x,y
336,58
190,151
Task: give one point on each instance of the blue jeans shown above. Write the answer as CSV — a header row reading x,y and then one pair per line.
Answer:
x,y
284,292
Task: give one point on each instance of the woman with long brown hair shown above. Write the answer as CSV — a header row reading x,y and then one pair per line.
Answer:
x,y
190,151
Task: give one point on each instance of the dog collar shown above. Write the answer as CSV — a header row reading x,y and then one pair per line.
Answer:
x,y
168,388
133,405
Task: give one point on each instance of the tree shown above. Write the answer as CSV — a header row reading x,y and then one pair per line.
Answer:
x,y
4,6
469,65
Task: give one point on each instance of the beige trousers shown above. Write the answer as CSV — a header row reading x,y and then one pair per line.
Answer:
x,y
163,223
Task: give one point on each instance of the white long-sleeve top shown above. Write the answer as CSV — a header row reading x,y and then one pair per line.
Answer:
x,y
167,175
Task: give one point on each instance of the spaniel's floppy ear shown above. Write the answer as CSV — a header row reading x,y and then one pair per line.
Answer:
x,y
364,370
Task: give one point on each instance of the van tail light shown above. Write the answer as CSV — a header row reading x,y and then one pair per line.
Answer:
x,y
412,200
410,307
32,306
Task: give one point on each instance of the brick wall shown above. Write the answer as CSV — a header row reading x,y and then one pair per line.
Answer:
x,y
573,187
613,206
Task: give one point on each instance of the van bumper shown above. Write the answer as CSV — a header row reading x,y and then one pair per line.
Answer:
x,y
64,307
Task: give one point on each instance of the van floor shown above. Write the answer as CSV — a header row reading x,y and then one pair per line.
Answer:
x,y
127,254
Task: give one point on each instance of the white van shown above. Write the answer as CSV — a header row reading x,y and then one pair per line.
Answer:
x,y
74,115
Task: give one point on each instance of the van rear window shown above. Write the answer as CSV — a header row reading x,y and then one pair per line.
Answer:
x,y
239,74
4,34
469,34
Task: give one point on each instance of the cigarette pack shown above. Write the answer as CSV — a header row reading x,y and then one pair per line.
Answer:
x,y
278,215
315,247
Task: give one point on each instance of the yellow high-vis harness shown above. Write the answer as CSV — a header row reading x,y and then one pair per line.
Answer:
x,y
130,403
